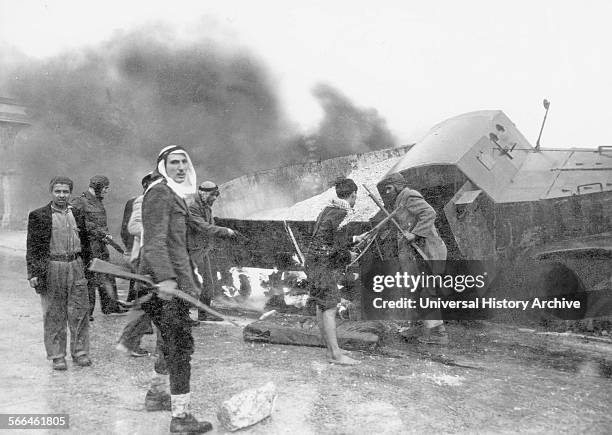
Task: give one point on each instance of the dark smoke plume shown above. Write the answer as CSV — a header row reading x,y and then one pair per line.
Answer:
x,y
109,109
347,129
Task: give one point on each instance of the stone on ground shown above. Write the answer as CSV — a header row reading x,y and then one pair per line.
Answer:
x,y
248,407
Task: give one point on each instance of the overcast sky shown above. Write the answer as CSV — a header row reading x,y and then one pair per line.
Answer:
x,y
416,62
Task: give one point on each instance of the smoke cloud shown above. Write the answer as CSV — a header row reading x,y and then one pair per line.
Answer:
x,y
347,129
109,109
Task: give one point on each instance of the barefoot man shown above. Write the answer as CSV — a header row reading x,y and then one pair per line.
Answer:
x,y
325,266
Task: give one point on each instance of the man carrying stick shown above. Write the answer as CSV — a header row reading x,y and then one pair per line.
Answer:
x,y
90,204
164,256
417,236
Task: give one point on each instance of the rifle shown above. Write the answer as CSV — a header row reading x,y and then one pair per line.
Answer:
x,y
109,241
101,266
295,244
401,230
369,237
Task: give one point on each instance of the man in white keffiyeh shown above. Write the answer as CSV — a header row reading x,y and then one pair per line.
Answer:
x,y
164,256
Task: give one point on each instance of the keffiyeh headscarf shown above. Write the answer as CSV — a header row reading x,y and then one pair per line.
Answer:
x,y
187,187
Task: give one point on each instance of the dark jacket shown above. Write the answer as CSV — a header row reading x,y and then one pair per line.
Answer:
x,y
324,267
39,238
95,219
164,253
202,228
126,237
325,237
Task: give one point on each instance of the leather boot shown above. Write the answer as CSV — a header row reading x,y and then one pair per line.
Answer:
x,y
158,398
59,364
182,420
157,401
189,424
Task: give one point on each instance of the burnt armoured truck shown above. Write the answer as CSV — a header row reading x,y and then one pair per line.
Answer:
x,y
537,219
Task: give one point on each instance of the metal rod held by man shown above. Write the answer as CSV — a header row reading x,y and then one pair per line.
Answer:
x,y
389,215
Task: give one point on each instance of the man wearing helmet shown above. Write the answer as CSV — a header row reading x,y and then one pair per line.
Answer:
x,y
90,203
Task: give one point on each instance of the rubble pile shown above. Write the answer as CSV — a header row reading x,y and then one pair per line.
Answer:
x,y
365,208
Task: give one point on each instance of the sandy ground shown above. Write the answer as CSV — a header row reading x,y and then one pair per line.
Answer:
x,y
491,379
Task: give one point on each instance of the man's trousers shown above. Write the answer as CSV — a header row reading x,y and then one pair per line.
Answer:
x,y
66,302
207,293
172,319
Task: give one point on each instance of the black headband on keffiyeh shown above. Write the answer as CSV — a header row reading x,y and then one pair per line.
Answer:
x,y
187,187
169,150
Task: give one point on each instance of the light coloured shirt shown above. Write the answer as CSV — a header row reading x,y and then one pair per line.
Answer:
x,y
64,232
135,227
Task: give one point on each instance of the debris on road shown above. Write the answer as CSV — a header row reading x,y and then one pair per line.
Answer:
x,y
303,331
248,407
267,314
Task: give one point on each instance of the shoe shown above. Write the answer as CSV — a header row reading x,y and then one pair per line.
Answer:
x,y
83,361
189,424
139,352
157,401
437,335
59,363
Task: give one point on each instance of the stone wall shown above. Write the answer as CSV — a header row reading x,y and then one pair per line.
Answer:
x,y
283,187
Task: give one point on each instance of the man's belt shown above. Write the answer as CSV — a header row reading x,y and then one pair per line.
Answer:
x,y
64,257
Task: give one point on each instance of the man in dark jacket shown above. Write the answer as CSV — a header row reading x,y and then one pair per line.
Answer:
x,y
57,246
164,256
90,203
201,238
325,262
